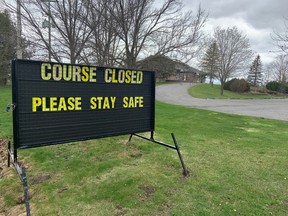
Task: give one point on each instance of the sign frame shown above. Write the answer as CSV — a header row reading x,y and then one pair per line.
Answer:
x,y
22,79
17,123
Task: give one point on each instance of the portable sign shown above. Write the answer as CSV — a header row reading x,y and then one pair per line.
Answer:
x,y
58,103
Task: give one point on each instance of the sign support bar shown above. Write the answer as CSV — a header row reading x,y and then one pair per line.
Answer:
x,y
175,147
22,175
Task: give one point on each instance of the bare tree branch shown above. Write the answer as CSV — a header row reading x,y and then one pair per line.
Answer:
x,y
113,32
139,23
234,51
281,38
69,34
279,68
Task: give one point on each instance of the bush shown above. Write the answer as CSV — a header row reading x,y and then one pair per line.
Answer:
x,y
277,86
273,86
227,84
237,85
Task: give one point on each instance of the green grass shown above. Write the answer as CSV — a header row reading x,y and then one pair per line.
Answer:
x,y
238,166
5,117
213,92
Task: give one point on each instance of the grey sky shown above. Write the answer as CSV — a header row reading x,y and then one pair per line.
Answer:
x,y
257,19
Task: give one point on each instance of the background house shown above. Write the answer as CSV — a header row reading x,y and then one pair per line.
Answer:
x,y
167,69
185,73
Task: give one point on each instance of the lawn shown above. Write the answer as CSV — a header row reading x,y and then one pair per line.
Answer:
x,y
238,166
5,117
213,92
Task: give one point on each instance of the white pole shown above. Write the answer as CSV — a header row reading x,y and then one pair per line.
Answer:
x,y
19,32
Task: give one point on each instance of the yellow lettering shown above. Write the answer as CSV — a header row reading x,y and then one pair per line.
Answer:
x,y
138,101
139,77
67,74
53,103
99,102
62,104
56,104
106,104
78,103
107,76
57,72
76,73
71,105
102,102
36,102
133,77
133,102
93,102
114,79
44,74
113,99
128,76
93,74
44,107
125,102
85,74
121,76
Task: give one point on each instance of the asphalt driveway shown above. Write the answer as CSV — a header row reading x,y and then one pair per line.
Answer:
x,y
265,108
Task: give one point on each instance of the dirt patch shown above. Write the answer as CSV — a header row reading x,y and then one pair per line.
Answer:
x,y
4,169
148,192
21,199
62,190
123,141
39,179
135,152
18,210
120,211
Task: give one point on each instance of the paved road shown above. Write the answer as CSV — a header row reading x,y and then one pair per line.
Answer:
x,y
266,108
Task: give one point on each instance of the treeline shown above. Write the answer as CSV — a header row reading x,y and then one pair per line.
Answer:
x,y
110,32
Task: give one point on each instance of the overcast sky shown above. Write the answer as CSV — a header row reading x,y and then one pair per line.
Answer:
x,y
257,19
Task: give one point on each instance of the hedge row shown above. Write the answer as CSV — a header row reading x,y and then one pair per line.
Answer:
x,y
237,85
277,86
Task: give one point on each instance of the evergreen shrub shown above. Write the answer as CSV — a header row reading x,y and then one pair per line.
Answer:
x,y
277,86
237,85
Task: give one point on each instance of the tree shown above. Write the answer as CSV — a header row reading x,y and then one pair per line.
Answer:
x,y
140,25
234,52
210,61
255,75
103,46
7,45
69,19
182,37
281,38
69,32
111,32
279,68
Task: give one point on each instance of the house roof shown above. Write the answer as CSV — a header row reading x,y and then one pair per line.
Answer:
x,y
179,66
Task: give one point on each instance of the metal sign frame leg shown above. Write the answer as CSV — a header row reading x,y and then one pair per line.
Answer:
x,y
22,175
185,171
176,147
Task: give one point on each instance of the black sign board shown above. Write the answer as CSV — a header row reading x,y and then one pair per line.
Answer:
x,y
59,103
